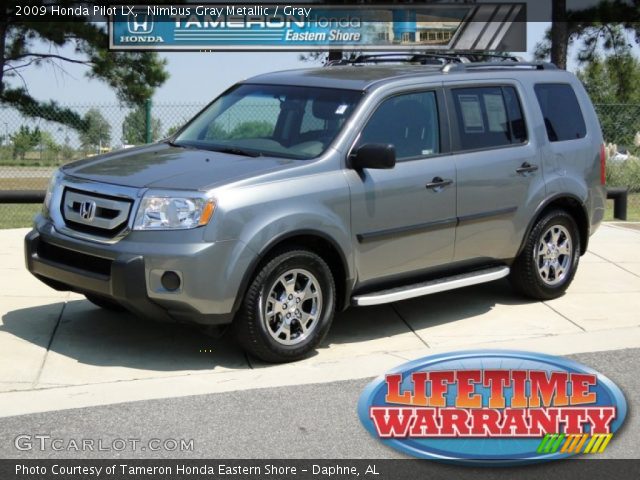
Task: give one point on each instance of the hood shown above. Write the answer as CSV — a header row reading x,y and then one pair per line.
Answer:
x,y
164,166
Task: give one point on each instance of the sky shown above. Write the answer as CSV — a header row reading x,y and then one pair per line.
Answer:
x,y
194,80
194,77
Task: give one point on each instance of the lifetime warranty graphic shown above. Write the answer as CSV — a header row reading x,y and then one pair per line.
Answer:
x,y
313,27
493,407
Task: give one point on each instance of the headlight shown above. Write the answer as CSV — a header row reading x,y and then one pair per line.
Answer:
x,y
55,178
159,212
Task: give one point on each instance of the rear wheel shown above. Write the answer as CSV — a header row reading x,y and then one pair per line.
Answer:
x,y
288,308
105,303
549,260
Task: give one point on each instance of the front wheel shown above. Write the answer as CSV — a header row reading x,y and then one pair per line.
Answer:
x,y
546,267
288,308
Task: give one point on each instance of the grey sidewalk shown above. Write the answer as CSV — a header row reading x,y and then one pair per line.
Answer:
x,y
58,351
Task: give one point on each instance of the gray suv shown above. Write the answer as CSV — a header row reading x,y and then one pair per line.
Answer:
x,y
296,194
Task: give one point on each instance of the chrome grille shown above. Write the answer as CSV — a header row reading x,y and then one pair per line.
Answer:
x,y
94,213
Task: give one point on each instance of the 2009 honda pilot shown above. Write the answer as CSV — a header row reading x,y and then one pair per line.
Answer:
x,y
296,194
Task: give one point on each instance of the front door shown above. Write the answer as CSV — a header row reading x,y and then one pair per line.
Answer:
x,y
404,219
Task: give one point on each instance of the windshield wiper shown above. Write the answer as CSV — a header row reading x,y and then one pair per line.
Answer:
x,y
177,145
236,151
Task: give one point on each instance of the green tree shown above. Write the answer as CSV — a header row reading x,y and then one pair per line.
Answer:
x,y
25,140
47,140
216,132
97,131
593,27
253,129
49,148
614,79
134,127
172,130
248,129
67,152
26,44
613,83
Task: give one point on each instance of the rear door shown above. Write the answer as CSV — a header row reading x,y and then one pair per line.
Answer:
x,y
403,219
498,165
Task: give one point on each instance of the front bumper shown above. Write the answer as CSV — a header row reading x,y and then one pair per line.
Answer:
x,y
127,272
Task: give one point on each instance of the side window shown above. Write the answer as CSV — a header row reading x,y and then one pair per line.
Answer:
x,y
489,117
517,125
409,122
561,111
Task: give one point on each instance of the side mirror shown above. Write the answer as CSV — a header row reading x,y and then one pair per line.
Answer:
x,y
373,155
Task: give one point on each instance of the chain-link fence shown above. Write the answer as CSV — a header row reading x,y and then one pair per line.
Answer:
x,y
31,148
621,128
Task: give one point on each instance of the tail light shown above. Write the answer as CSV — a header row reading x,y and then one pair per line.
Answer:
x,y
603,165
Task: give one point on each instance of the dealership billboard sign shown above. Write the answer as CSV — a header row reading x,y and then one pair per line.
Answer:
x,y
494,27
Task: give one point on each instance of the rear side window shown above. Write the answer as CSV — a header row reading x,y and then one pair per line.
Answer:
x,y
489,117
561,111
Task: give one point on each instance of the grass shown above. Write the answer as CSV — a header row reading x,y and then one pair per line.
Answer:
x,y
28,163
28,183
633,208
18,215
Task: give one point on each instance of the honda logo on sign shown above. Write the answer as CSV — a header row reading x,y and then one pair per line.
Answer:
x,y
88,211
140,22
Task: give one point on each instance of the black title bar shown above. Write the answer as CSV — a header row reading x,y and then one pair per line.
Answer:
x,y
123,469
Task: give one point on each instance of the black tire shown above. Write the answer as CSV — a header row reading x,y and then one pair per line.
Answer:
x,y
105,303
525,274
250,325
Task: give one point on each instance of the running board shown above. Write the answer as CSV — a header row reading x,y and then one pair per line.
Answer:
x,y
432,286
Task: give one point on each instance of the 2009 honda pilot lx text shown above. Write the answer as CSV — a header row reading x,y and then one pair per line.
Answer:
x,y
296,194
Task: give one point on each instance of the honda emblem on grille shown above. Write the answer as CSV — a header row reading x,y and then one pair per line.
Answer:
x,y
88,211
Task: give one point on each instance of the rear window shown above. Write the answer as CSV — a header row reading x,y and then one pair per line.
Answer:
x,y
561,111
489,117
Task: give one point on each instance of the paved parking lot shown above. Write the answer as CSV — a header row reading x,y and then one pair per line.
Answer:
x,y
58,351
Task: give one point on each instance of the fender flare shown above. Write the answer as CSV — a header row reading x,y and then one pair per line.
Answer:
x,y
544,204
248,274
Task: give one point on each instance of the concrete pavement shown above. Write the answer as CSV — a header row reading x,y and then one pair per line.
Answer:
x,y
57,351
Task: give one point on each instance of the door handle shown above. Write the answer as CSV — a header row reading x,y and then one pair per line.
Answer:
x,y
527,168
438,183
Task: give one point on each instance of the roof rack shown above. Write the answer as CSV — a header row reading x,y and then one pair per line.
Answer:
x,y
475,56
452,68
414,58
425,58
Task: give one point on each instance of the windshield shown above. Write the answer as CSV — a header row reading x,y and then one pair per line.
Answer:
x,y
271,120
